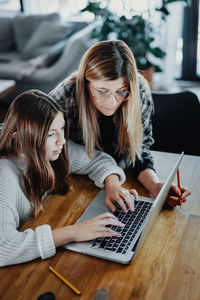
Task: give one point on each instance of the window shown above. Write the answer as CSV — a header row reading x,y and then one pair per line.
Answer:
x,y
191,43
10,5
198,47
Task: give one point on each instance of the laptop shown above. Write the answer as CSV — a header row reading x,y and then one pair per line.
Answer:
x,y
138,225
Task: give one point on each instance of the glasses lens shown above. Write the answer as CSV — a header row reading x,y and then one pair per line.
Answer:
x,y
105,95
122,96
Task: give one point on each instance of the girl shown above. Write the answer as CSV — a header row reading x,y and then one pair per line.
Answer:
x,y
109,106
33,163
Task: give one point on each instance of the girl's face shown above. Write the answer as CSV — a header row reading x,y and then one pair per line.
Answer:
x,y
55,139
107,96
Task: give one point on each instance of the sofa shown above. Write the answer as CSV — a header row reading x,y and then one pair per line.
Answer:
x,y
38,51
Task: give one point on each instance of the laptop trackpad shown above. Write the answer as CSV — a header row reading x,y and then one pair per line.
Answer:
x,y
92,212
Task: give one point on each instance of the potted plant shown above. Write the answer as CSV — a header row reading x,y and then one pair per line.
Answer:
x,y
137,31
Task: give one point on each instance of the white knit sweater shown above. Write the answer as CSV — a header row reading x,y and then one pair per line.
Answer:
x,y
15,209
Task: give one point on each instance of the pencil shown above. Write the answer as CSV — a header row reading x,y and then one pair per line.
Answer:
x,y
179,185
65,281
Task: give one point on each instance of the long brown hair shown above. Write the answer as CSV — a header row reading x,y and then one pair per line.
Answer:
x,y
25,133
109,60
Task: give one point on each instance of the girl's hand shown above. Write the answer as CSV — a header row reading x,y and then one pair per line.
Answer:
x,y
115,193
175,196
94,228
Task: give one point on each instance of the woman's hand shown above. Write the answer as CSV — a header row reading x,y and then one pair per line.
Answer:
x,y
175,196
115,193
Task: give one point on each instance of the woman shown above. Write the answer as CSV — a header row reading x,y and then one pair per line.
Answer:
x,y
109,106
33,163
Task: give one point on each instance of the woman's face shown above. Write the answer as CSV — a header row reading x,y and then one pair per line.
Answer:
x,y
55,139
107,96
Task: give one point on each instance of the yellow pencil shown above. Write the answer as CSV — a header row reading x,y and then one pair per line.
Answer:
x,y
65,281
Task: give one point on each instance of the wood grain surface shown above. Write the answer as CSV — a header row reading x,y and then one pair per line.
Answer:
x,y
167,268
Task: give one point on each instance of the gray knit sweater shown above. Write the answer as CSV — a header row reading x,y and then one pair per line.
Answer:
x,y
15,209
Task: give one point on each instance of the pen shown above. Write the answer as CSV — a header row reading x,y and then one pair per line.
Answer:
x,y
179,185
65,281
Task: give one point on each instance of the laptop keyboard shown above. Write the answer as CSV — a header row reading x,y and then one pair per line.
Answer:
x,y
133,223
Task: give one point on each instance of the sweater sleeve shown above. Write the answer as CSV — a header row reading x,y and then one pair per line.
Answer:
x,y
98,167
15,246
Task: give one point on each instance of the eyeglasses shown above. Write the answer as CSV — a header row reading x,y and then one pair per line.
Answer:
x,y
101,95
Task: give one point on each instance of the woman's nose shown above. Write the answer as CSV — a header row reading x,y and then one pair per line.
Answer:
x,y
111,100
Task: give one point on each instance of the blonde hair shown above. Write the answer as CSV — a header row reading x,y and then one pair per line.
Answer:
x,y
109,60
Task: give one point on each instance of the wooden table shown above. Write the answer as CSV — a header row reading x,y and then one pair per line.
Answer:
x,y
167,268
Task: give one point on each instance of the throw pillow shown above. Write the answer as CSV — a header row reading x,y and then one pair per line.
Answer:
x,y
46,35
56,50
6,34
25,25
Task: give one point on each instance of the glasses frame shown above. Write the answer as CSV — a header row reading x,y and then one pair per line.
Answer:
x,y
110,94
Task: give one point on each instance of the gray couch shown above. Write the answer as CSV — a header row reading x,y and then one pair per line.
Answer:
x,y
38,51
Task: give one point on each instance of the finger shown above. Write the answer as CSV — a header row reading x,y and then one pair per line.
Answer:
x,y
135,193
107,215
108,232
129,200
175,200
110,205
122,205
171,203
110,221
185,194
176,190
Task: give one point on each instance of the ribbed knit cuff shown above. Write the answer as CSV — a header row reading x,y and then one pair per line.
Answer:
x,y
99,180
45,241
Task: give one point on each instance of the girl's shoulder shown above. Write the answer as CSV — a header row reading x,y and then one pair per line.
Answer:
x,y
9,182
8,170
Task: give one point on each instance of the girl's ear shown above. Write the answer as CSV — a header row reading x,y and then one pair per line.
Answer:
x,y
14,133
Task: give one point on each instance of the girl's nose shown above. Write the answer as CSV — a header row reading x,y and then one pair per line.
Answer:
x,y
60,139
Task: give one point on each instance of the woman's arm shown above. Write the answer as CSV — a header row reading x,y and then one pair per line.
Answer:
x,y
144,168
98,167
103,170
152,183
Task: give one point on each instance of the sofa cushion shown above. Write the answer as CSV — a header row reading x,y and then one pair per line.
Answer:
x,y
6,34
25,25
46,35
